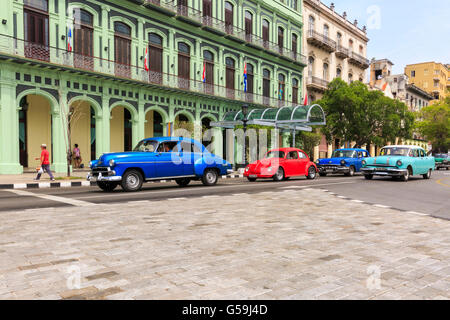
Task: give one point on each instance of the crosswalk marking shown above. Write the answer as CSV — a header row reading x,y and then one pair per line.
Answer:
x,y
74,202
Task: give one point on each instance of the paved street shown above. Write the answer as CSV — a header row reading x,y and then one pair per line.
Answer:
x,y
290,240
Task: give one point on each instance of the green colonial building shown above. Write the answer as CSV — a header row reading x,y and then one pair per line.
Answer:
x,y
105,74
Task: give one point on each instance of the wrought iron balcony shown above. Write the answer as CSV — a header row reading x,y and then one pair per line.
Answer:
x,y
189,15
164,6
342,52
214,25
359,60
16,49
321,41
316,83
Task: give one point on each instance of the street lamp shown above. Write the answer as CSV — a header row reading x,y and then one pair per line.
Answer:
x,y
245,120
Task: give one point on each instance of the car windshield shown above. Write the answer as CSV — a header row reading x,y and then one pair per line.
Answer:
x,y
146,146
343,154
275,154
394,151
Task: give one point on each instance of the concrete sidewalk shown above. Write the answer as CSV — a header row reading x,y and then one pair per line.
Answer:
x,y
78,179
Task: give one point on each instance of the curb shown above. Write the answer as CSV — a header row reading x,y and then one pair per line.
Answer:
x,y
71,184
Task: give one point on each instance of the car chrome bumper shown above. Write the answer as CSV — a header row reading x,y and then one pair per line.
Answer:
x,y
100,177
332,169
384,171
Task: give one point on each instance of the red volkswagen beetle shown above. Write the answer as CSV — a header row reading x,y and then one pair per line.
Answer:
x,y
281,164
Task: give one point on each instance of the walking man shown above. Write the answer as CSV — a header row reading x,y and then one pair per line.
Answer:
x,y
45,163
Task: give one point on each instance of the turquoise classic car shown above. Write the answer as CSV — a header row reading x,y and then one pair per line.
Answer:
x,y
399,162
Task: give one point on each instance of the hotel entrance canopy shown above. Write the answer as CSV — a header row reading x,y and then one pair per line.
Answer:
x,y
298,118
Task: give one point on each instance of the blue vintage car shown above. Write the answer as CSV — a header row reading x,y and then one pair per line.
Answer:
x,y
346,161
399,162
181,159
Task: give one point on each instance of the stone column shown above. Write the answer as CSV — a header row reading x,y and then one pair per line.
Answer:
x,y
9,127
316,153
106,123
59,113
330,150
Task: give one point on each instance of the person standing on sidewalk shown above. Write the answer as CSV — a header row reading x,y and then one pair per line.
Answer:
x,y
45,163
77,156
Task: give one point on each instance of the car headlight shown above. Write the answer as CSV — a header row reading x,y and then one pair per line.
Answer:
x,y
363,162
90,164
399,163
269,169
247,168
111,163
318,161
342,162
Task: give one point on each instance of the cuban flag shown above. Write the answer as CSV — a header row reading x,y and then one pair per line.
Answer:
x,y
146,59
245,77
280,93
69,40
305,103
204,72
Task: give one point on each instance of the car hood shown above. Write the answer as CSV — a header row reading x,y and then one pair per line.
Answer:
x,y
333,160
264,163
117,156
385,160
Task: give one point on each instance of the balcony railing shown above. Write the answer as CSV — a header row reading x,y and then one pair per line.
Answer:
x,y
359,60
214,24
167,5
342,52
189,13
316,83
62,58
321,40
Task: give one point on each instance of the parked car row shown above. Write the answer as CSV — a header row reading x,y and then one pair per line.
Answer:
x,y
184,160
442,160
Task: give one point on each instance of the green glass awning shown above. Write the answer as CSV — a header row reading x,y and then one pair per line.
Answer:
x,y
289,118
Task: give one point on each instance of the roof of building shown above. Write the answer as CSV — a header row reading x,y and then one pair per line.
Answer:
x,y
419,91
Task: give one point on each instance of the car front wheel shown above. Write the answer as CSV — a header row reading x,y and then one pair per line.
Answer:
x,y
183,182
405,177
279,175
427,175
368,176
311,173
132,181
351,171
251,179
322,174
210,177
107,186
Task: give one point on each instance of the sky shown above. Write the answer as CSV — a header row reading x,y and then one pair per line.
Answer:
x,y
403,31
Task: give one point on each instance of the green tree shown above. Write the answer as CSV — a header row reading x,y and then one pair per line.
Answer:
x,y
354,113
307,141
434,124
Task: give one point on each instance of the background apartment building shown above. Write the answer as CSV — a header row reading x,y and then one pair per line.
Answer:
x,y
432,77
334,48
130,69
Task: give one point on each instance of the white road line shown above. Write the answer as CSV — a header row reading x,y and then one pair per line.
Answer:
x,y
381,206
357,201
20,186
342,197
139,201
314,185
74,202
180,198
418,213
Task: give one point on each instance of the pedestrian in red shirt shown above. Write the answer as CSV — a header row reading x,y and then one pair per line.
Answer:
x,y
45,163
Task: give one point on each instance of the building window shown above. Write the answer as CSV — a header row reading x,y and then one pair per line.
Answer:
x,y
339,38
184,65
83,40
338,72
266,83
208,57
361,50
310,66
229,17
248,23
294,44
295,4
294,91
122,49
155,61
311,24
326,31
37,4
281,87
350,44
280,38
325,71
230,76
250,78
413,73
350,78
265,32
